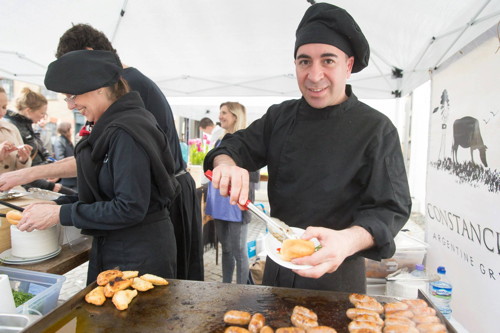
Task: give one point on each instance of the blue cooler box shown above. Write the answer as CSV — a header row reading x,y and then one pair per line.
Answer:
x,y
46,288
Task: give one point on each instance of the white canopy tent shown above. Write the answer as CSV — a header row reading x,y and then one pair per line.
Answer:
x,y
236,48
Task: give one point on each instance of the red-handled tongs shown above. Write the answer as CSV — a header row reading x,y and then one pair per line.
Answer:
x,y
277,228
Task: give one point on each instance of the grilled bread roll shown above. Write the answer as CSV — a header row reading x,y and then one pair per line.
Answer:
x,y
96,296
13,216
122,298
141,285
118,284
296,248
156,280
106,276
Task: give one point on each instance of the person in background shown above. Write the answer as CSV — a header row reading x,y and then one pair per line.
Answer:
x,y
216,132
231,224
13,153
45,135
32,107
63,147
185,211
335,164
126,179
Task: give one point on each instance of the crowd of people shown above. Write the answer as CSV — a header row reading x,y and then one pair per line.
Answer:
x,y
139,203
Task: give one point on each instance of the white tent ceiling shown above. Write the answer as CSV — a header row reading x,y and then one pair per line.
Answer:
x,y
197,48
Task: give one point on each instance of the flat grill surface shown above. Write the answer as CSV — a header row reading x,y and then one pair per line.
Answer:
x,y
192,306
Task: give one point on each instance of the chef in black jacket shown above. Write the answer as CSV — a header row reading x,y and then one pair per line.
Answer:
x,y
125,169
335,164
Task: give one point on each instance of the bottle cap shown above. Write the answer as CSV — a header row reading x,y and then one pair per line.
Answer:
x,y
419,267
441,270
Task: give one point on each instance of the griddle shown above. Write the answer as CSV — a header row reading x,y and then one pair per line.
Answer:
x,y
193,306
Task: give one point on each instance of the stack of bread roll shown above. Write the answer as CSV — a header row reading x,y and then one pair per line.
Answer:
x,y
115,284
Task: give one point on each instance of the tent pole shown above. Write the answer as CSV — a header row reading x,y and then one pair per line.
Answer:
x,y
471,22
122,13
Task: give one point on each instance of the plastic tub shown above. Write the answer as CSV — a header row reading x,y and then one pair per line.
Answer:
x,y
13,323
409,252
46,288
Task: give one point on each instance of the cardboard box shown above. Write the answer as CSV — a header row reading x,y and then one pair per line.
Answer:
x,y
409,252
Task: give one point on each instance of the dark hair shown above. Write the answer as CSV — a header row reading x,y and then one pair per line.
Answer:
x,y
2,90
82,36
30,99
205,122
118,89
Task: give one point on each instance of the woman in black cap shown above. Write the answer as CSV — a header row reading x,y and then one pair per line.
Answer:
x,y
125,171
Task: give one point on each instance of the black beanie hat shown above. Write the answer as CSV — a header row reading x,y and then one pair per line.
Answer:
x,y
78,72
328,24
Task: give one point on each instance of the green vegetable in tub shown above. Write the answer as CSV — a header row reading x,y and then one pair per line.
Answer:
x,y
21,297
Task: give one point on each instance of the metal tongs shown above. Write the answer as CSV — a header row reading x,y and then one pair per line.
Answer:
x,y
279,229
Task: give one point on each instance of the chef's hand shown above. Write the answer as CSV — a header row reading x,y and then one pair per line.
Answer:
x,y
23,153
336,245
230,180
39,216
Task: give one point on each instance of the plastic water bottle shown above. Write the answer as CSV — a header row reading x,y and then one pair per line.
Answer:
x,y
440,292
419,271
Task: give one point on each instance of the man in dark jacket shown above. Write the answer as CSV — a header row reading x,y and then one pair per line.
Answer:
x,y
335,164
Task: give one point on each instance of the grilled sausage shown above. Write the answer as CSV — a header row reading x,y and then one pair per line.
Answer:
x,y
256,323
353,298
299,320
235,329
405,313
235,317
364,324
400,329
426,319
364,330
305,312
395,306
354,312
432,328
290,330
266,329
371,318
321,329
426,311
391,321
370,305
415,303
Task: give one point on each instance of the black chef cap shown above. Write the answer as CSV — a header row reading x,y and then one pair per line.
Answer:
x,y
78,72
328,24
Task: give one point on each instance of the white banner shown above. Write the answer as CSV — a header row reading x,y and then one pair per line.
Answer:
x,y
463,190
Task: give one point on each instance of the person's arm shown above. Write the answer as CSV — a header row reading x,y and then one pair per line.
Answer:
x,y
336,246
129,189
65,168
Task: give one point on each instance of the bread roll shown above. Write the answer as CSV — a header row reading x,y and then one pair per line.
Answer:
x,y
296,248
13,216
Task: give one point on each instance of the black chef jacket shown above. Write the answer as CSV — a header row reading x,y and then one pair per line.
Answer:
x,y
126,183
335,167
